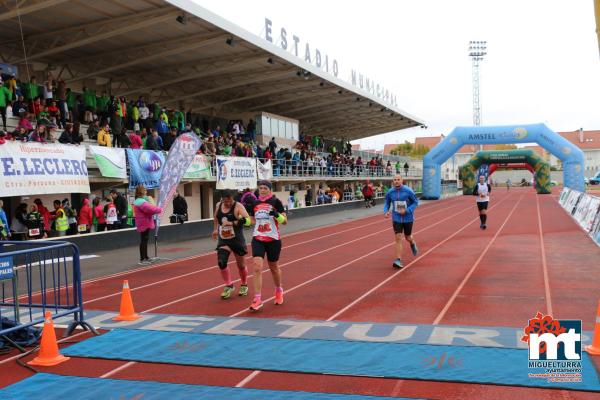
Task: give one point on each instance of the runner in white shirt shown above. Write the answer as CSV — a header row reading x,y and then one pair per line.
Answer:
x,y
482,191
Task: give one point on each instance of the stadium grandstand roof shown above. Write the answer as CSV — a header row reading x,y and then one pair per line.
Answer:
x,y
184,56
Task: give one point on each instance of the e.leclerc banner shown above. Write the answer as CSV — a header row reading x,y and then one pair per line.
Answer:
x,y
236,173
179,159
36,168
145,167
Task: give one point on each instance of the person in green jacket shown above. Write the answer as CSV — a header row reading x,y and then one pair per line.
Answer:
x,y
89,101
102,105
5,98
72,105
135,116
179,120
157,111
30,90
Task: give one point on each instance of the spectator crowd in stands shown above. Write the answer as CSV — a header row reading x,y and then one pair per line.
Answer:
x,y
114,121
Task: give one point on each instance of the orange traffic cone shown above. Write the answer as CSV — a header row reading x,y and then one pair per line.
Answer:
x,y
126,312
48,354
594,349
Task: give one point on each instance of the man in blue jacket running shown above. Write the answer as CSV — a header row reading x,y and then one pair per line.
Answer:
x,y
400,201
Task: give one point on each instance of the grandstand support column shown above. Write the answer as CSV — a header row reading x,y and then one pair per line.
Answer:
x,y
206,200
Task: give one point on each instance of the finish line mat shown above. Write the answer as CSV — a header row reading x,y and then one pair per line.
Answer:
x,y
51,386
388,360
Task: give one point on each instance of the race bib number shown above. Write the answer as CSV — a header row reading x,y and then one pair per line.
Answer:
x,y
34,232
482,195
227,232
82,228
111,215
400,206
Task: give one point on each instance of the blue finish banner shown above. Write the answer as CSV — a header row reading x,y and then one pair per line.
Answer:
x,y
145,167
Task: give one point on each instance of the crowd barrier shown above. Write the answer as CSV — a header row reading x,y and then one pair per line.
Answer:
x,y
585,209
36,277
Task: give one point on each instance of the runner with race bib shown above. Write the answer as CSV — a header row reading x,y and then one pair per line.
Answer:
x,y
482,191
268,213
229,221
400,201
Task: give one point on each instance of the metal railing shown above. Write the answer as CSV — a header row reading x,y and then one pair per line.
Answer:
x,y
40,276
309,169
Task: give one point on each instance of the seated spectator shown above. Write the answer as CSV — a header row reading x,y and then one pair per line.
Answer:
x,y
21,134
210,146
188,128
104,138
25,123
170,139
53,111
39,135
136,140
76,134
51,133
93,129
20,107
144,137
36,107
5,137
154,141
66,137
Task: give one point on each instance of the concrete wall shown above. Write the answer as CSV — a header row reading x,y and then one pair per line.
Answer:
x,y
102,241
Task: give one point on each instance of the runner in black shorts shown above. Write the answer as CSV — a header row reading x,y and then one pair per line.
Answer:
x,y
404,227
268,213
400,203
229,220
482,191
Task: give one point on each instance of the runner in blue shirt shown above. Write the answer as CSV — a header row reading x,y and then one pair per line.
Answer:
x,y
400,201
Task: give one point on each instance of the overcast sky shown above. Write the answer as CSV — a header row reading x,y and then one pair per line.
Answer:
x,y
543,63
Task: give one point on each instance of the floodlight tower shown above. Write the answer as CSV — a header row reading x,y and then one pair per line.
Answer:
x,y
477,50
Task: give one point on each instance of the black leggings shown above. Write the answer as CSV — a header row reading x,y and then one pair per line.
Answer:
x,y
144,245
3,113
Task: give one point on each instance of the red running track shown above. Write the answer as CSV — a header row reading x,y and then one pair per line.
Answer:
x,y
532,257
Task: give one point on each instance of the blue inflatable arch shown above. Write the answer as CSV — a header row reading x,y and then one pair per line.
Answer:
x,y
570,155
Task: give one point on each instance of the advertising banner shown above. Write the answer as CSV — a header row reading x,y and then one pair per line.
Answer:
x,y
37,168
178,161
199,168
145,167
588,217
264,170
236,173
110,160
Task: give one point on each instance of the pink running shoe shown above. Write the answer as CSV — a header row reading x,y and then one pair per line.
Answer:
x,y
278,297
256,304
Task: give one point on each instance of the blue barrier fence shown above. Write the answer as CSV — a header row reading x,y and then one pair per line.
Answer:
x,y
38,276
